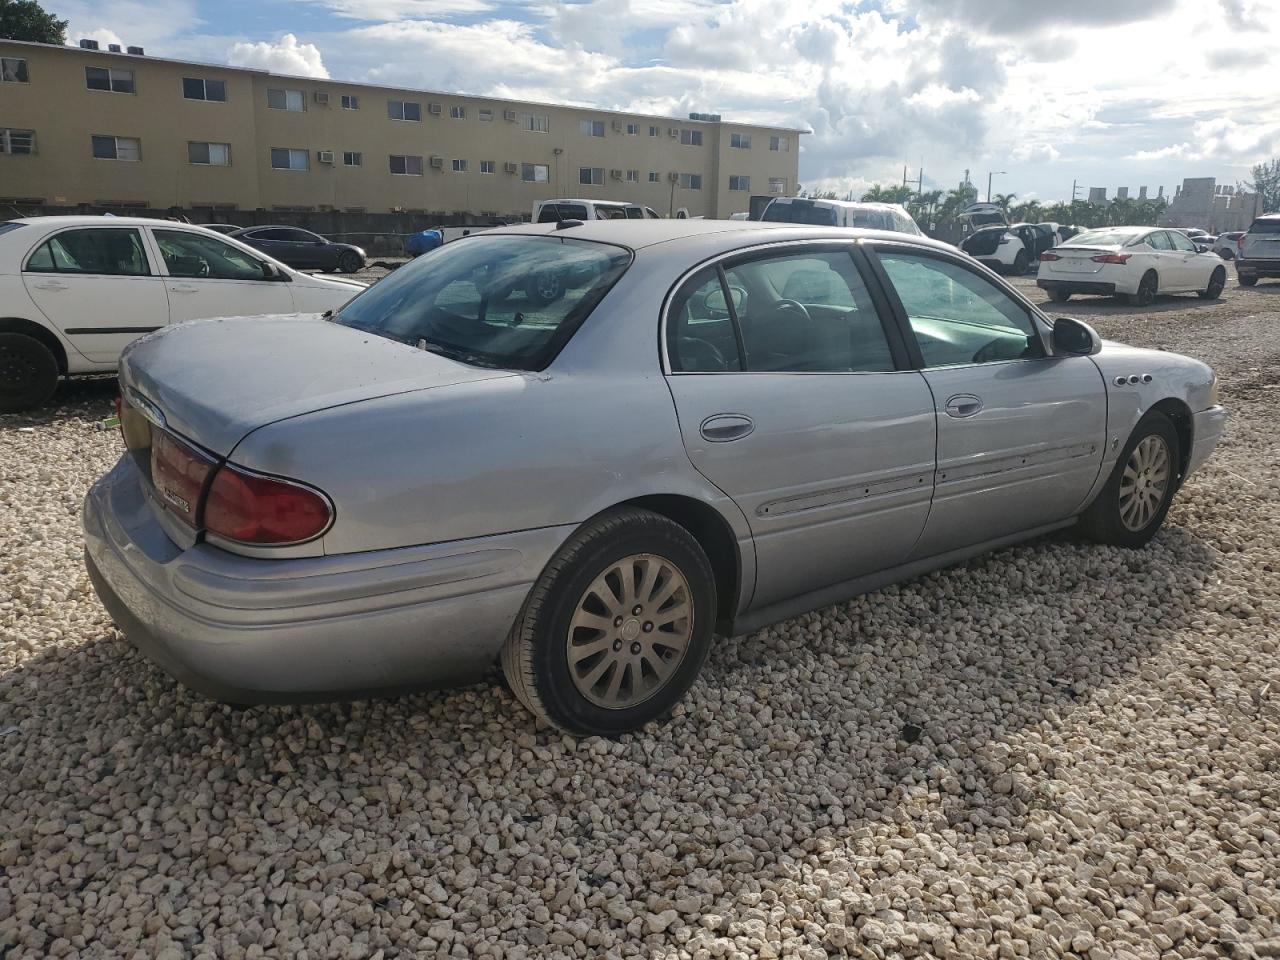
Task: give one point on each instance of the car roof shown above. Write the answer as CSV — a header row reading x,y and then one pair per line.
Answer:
x,y
731,234
272,226
594,203
98,220
845,204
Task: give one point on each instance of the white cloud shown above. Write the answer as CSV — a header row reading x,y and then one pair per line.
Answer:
x,y
286,56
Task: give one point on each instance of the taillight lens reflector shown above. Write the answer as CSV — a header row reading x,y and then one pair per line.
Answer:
x,y
1112,258
255,509
179,472
1049,256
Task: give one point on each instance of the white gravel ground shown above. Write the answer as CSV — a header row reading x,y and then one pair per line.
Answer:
x,y
1060,750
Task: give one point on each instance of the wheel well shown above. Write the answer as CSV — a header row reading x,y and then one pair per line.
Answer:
x,y
1180,414
39,333
714,536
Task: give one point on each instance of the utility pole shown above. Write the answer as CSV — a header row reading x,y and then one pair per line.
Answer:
x,y
991,174
1075,190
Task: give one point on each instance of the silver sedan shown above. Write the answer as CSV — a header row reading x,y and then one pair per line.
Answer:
x,y
584,450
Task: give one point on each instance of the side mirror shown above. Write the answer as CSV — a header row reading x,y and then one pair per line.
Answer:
x,y
271,272
1072,338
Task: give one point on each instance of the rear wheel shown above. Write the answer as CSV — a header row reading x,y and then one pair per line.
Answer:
x,y
616,629
1246,281
1133,504
1061,296
1147,288
1216,282
1020,262
28,372
350,261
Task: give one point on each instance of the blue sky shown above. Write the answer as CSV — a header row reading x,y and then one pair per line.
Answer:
x,y
1105,93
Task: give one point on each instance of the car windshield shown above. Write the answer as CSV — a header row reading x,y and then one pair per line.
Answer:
x,y
500,301
806,212
1102,238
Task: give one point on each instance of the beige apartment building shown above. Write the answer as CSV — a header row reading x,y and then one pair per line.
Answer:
x,y
104,127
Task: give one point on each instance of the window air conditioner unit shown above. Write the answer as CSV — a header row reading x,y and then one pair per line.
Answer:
x,y
113,47
324,156
509,115
616,174
433,109
617,126
510,167
437,163
322,97
673,177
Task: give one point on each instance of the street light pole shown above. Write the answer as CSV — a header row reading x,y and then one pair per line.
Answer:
x,y
991,174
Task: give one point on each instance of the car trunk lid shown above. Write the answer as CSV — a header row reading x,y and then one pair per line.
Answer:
x,y
1080,259
1262,242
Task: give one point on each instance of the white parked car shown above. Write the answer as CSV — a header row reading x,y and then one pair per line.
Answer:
x,y
1139,262
1010,249
841,213
553,211
74,291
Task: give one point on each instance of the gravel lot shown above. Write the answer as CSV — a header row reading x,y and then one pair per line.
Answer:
x,y
1059,750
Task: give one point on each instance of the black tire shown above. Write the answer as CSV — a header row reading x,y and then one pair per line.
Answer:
x,y
1102,521
1227,255
535,657
1148,286
28,372
1020,263
349,261
1246,281
1061,296
1216,282
545,287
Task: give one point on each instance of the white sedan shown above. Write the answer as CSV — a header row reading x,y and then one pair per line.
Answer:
x,y
1139,262
76,290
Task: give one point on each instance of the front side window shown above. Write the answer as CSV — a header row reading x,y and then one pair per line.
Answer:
x,y
17,142
350,102
592,176
195,255
116,148
212,154
95,250
535,172
112,80
292,100
289,158
739,183
508,302
408,166
13,70
591,128
352,158
959,317
198,88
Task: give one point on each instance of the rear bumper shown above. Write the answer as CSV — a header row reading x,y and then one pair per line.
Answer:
x,y
1207,428
1102,288
247,630
1264,269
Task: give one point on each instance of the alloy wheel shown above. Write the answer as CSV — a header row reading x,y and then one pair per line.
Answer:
x,y
1144,483
630,631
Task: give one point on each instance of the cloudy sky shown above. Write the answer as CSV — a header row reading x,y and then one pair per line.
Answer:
x,y
1106,92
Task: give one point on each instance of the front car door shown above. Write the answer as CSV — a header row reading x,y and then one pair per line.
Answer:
x,y
208,277
98,286
1020,432
794,399
309,249
1192,268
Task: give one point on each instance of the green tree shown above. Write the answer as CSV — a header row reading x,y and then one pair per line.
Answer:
x,y
1003,200
1266,184
1029,211
879,194
27,20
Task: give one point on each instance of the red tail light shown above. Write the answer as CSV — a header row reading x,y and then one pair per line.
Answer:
x,y
255,509
179,473
1049,256
1240,242
1112,258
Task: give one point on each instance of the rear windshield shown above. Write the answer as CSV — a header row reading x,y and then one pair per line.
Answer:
x,y
805,212
1265,226
6,227
1103,238
510,302
555,212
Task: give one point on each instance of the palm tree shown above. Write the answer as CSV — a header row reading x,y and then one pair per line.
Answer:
x,y
1002,200
1028,212
879,194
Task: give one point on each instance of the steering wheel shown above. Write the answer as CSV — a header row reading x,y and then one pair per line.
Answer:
x,y
204,268
699,356
786,304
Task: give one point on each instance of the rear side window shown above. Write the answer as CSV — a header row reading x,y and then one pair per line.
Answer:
x,y
510,302
102,252
1159,241
1265,226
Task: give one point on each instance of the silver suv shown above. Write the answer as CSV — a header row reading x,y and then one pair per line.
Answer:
x,y
1259,254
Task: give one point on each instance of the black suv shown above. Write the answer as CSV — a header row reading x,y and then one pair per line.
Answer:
x,y
1259,255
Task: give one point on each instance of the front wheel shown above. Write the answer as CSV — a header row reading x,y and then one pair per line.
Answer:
x,y
1061,296
1147,287
1216,282
350,261
616,629
28,372
1133,504
1021,262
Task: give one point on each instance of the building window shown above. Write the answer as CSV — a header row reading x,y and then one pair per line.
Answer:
x,y
691,138
458,113
286,158
292,100
780,144
591,128
633,129
485,114
740,183
350,102
352,158
488,166
535,173
459,166
690,181
740,141
404,110
116,148
406,166
654,131
633,176
592,176
116,81
198,88
777,185
17,142
655,176
209,154
535,123
13,70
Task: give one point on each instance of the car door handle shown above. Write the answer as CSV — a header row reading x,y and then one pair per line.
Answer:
x,y
184,288
963,405
50,285
724,427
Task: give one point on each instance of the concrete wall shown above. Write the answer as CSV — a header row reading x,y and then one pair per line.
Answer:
x,y
64,114
1200,202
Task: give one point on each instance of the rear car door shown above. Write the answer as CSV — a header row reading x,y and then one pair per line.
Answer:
x,y
794,399
208,277
1020,432
98,286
